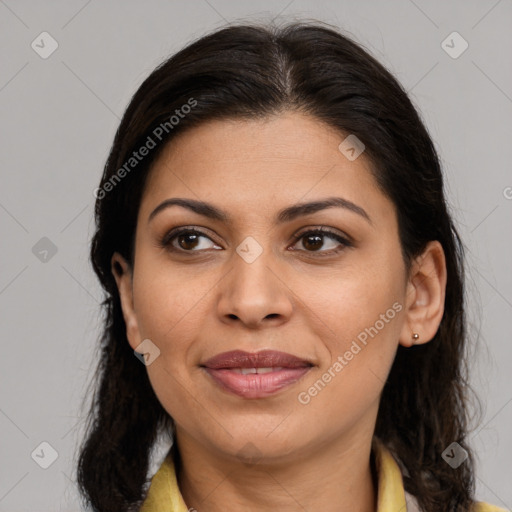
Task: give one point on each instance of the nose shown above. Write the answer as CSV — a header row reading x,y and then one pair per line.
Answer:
x,y
255,294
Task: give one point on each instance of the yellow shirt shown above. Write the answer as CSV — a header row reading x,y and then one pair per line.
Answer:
x,y
164,494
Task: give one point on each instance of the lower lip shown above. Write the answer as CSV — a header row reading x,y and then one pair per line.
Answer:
x,y
256,385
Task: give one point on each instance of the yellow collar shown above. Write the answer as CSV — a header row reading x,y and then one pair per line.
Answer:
x,y
164,493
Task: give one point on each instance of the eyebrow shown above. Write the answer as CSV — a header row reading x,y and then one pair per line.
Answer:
x,y
286,215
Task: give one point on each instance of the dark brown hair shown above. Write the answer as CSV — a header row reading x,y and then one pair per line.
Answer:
x,y
252,71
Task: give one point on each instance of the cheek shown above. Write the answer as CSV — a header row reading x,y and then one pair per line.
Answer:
x,y
169,315
344,301
349,383
360,309
166,302
171,306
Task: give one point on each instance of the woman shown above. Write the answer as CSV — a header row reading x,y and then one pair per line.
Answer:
x,y
275,246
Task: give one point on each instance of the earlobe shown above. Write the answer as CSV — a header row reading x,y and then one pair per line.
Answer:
x,y
426,292
122,273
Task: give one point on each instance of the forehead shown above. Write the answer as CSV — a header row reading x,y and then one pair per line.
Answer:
x,y
291,136
255,164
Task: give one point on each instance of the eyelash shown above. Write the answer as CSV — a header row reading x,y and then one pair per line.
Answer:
x,y
165,242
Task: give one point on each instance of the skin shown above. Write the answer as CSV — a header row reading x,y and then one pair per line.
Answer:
x,y
194,305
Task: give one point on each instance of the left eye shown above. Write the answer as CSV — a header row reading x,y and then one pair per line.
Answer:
x,y
314,240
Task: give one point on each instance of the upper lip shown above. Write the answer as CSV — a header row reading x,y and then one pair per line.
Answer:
x,y
263,359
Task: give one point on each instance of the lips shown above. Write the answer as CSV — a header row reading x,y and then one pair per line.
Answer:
x,y
255,375
263,359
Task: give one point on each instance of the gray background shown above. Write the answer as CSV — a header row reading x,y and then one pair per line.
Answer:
x,y
58,117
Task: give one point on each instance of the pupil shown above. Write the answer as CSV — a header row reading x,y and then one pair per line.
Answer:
x,y
317,244
189,236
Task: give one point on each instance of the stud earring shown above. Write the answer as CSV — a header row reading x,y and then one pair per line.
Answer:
x,y
415,337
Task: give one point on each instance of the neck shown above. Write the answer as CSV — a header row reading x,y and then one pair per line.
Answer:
x,y
339,478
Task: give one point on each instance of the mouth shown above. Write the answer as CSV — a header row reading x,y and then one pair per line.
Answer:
x,y
255,375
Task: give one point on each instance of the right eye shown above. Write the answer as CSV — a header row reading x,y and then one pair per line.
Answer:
x,y
185,240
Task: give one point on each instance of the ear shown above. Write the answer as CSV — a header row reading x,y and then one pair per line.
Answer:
x,y
122,272
426,289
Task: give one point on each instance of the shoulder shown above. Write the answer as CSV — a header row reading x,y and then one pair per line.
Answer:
x,y
480,506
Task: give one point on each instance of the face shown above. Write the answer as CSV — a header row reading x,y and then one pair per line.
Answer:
x,y
256,279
